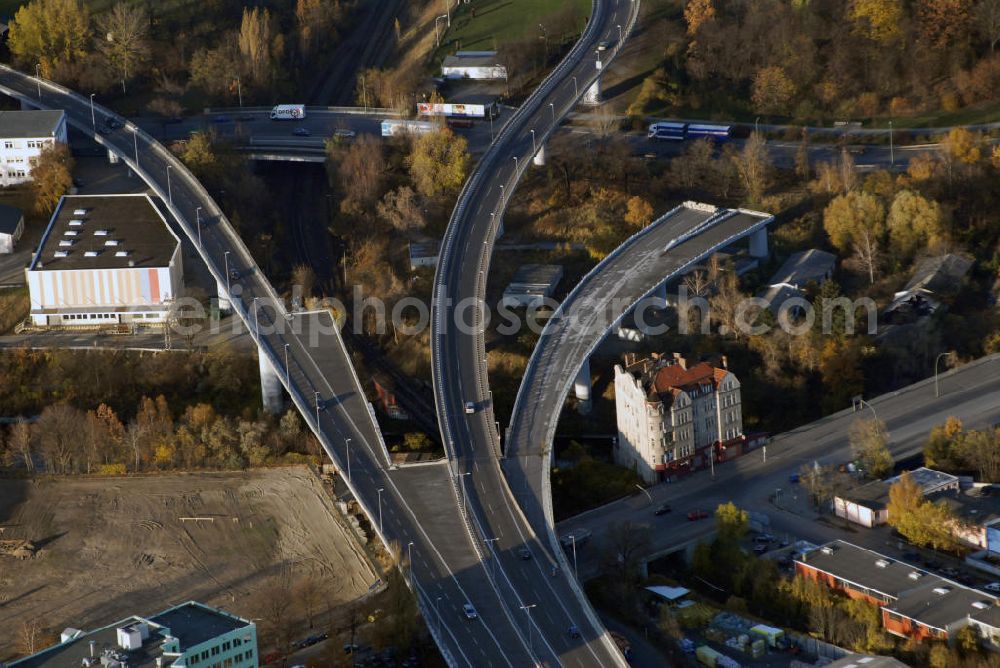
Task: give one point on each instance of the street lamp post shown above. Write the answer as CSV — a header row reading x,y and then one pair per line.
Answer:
x,y
38,80
447,10
135,145
461,484
317,410
572,538
437,612
348,444
493,555
527,609
576,89
619,45
646,492
437,34
197,215
892,152
534,147
756,125
288,382
229,292
380,490
552,106
256,327
170,192
937,359
501,194
93,116
239,91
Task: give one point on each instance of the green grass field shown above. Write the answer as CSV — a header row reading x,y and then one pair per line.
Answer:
x,y
501,21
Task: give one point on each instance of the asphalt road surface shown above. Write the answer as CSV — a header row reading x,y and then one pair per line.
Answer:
x,y
971,393
537,587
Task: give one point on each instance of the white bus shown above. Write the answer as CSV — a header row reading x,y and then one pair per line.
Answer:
x,y
288,112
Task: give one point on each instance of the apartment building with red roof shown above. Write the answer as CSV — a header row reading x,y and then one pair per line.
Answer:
x,y
673,417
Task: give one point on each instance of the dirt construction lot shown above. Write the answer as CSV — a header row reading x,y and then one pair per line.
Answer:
x,y
111,547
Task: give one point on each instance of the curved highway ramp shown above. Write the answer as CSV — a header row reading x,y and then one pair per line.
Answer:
x,y
416,510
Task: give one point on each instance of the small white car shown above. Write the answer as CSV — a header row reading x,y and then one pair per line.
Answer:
x,y
470,407
346,134
470,611
993,586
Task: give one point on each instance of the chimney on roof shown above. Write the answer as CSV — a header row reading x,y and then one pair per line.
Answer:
x,y
93,645
629,359
724,362
679,359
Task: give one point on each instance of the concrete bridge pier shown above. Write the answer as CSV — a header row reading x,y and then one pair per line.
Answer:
x,y
539,159
112,157
224,303
270,386
593,94
581,388
659,296
758,243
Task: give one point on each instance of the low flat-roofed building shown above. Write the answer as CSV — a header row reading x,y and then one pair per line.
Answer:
x,y
930,481
424,253
867,661
23,135
977,514
936,609
105,260
804,267
988,623
11,227
473,65
190,635
532,284
867,505
798,271
935,281
915,603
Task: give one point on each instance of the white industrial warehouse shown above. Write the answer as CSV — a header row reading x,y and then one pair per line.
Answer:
x,y
105,260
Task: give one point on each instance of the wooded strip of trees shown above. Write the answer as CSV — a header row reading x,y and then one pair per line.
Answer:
x,y
827,59
66,440
256,51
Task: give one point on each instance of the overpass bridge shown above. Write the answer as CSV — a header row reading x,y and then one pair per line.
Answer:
x,y
540,582
634,276
415,511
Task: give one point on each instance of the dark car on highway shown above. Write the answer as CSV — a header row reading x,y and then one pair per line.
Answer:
x,y
662,509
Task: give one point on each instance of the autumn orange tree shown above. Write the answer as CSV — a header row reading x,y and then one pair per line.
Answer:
x,y
51,176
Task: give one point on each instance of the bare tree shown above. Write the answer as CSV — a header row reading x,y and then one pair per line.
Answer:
x,y
753,166
20,443
123,39
360,168
306,591
988,21
29,636
401,209
867,251
58,434
603,122
304,278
